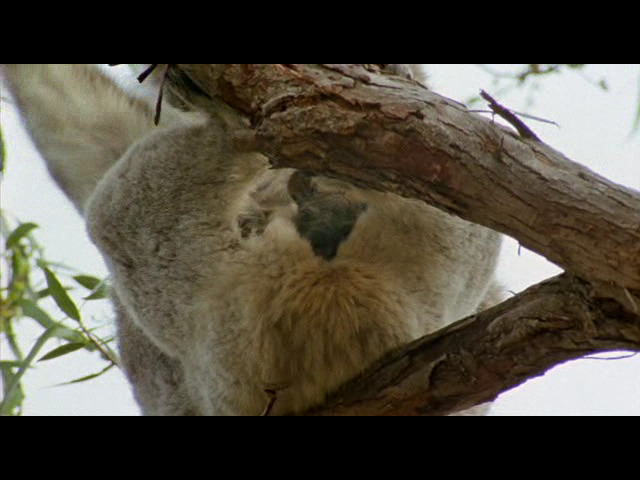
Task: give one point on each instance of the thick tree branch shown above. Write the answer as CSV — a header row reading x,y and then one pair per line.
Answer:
x,y
388,133
392,134
474,360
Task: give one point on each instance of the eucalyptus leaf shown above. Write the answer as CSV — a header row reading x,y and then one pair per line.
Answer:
x,y
87,281
7,403
63,350
41,293
97,286
12,401
90,377
19,233
32,310
100,293
60,295
10,364
20,263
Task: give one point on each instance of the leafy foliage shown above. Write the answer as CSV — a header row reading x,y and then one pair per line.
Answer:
x,y
514,76
527,78
23,275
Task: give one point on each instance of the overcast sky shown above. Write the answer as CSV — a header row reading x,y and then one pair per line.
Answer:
x,y
594,130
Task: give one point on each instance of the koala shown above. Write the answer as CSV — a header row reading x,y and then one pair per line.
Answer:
x,y
413,71
240,289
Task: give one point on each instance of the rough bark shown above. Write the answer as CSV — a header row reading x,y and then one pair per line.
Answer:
x,y
388,133
474,360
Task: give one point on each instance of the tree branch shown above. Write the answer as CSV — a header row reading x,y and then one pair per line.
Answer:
x,y
389,133
475,359
392,134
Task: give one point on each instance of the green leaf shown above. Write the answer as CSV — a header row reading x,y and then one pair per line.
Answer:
x,y
20,264
101,292
7,404
87,281
63,350
10,364
12,401
60,295
41,293
32,310
97,286
89,377
83,379
19,233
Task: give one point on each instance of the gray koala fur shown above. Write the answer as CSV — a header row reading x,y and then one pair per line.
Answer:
x,y
234,283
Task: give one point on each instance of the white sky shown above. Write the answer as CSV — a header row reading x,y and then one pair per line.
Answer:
x,y
594,129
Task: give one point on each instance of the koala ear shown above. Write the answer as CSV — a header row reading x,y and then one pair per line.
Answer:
x,y
79,119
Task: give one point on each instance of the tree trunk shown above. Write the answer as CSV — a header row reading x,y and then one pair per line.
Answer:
x,y
388,133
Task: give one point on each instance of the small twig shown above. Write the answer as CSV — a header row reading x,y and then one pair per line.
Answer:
x,y
163,77
103,349
521,114
509,116
272,397
143,76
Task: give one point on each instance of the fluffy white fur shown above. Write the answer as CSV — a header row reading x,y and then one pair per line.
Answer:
x,y
220,299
